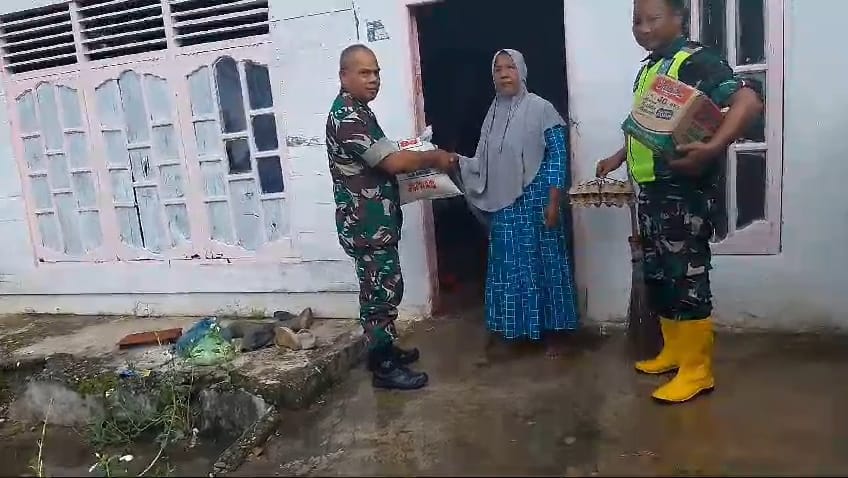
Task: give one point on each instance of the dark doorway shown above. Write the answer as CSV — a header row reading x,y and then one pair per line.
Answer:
x,y
457,40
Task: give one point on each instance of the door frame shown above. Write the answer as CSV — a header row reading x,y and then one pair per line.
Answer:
x,y
417,98
429,225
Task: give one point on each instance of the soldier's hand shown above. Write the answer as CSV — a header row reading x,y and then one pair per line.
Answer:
x,y
606,166
444,160
696,157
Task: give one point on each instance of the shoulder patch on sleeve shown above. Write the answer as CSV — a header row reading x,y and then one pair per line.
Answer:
x,y
692,49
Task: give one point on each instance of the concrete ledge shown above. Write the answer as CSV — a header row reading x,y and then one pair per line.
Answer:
x,y
294,379
53,361
253,437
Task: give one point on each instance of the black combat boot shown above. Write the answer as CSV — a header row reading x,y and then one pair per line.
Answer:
x,y
405,357
390,374
401,357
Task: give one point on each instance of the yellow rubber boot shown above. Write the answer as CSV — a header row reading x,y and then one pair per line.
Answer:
x,y
695,354
666,361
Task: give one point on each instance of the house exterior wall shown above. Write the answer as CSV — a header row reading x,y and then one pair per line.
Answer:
x,y
803,287
312,270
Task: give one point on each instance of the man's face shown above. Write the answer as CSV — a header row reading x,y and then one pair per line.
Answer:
x,y
655,24
361,76
507,79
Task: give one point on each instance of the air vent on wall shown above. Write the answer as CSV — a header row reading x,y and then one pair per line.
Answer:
x,y
207,21
113,28
37,39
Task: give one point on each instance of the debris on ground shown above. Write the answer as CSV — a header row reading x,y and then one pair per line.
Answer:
x,y
155,337
288,338
128,372
299,322
303,467
307,339
253,335
283,331
204,344
77,359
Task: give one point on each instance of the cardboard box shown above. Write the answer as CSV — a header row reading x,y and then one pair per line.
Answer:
x,y
672,113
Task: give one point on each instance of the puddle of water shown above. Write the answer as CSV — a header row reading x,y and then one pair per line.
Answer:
x,y
67,453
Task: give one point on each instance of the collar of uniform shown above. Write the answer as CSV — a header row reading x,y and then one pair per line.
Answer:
x,y
667,51
356,102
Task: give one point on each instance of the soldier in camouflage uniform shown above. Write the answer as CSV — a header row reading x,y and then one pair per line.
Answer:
x,y
677,198
363,165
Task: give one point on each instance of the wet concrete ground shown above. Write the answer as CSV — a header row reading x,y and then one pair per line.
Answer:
x,y
779,409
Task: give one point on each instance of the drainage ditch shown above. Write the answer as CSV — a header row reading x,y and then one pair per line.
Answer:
x,y
66,418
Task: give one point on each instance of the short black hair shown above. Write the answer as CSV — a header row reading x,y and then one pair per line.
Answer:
x,y
347,53
679,6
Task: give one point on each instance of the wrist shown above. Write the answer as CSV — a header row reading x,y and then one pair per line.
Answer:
x,y
618,158
429,159
717,146
620,155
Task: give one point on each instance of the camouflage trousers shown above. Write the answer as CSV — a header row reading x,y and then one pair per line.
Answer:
x,y
380,292
675,232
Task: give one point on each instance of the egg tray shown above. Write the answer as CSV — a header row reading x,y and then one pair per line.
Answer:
x,y
601,192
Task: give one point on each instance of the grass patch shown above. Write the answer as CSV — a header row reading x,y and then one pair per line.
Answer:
x,y
153,408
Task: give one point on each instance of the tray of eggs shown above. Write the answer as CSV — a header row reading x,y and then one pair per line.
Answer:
x,y
601,192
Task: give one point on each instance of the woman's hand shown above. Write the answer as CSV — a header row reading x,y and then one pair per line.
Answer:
x,y
444,160
552,211
552,215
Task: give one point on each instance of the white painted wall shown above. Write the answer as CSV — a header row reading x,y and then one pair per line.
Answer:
x,y
309,45
601,64
800,288
803,287
308,37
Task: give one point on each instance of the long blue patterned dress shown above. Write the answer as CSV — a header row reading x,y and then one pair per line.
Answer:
x,y
529,281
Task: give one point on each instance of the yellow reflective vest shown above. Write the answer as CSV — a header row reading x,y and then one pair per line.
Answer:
x,y
640,158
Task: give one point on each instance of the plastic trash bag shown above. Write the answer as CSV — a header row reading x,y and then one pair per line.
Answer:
x,y
204,344
427,183
192,335
211,349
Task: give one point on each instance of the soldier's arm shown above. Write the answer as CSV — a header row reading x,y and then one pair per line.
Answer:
x,y
745,107
409,161
712,75
611,163
616,159
357,139
620,155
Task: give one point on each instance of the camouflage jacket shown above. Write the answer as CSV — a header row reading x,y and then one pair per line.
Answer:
x,y
368,214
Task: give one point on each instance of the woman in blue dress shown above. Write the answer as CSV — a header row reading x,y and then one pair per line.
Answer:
x,y
517,179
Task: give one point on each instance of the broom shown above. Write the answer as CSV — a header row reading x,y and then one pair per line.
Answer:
x,y
643,327
642,324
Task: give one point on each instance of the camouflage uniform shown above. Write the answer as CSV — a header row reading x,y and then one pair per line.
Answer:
x,y
676,225
368,214
677,213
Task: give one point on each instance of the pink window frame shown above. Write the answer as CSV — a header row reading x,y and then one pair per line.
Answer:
x,y
762,237
173,64
260,52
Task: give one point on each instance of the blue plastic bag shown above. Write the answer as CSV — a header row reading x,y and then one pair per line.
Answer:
x,y
205,344
197,331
